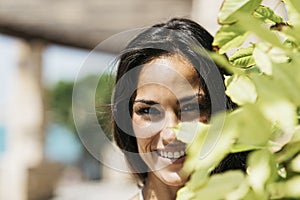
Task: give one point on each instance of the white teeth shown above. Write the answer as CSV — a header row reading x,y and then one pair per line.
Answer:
x,y
171,155
165,154
181,153
176,154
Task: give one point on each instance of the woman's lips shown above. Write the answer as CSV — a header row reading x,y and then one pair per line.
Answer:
x,y
172,152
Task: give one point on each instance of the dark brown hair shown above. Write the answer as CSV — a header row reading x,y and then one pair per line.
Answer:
x,y
177,36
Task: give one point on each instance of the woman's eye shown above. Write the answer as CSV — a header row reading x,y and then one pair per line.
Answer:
x,y
148,111
194,107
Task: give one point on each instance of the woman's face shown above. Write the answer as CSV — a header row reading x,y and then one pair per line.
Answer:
x,y
168,92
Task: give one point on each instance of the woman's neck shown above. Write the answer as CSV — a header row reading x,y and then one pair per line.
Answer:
x,y
155,189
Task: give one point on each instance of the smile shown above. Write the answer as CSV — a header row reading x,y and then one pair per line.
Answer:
x,y
170,154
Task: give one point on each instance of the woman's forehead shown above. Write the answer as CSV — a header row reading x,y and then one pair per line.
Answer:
x,y
168,71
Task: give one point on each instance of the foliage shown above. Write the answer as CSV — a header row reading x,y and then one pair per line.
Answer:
x,y
265,85
60,101
103,103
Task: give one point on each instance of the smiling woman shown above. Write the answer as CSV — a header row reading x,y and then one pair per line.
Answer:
x,y
153,115
163,80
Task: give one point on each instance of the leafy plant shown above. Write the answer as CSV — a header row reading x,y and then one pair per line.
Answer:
x,y
265,84
60,101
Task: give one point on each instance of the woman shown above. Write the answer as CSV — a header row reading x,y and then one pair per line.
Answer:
x,y
162,80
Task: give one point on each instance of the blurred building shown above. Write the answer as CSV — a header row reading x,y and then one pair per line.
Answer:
x,y
25,173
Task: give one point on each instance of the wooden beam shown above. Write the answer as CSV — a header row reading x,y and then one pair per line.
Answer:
x,y
82,23
69,39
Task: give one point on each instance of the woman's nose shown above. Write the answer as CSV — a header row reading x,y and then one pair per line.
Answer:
x,y
168,134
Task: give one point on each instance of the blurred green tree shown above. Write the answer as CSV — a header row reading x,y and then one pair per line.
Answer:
x,y
60,104
60,101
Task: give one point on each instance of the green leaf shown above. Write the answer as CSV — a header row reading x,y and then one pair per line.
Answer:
x,y
283,124
253,25
184,193
240,147
292,70
187,131
296,135
197,180
265,54
295,164
261,169
287,119
286,78
262,60
291,33
221,185
253,129
195,145
287,189
278,55
281,86
231,7
293,9
240,193
267,15
208,149
250,196
222,61
240,89
291,43
243,57
298,114
229,37
288,152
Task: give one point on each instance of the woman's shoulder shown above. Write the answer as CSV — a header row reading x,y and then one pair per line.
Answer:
x,y
136,197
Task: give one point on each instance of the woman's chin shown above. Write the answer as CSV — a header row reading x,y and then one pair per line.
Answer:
x,y
172,178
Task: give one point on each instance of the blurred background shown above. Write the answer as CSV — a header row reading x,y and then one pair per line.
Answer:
x,y
43,44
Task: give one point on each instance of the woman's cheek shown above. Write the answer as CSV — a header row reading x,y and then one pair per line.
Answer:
x,y
146,129
144,145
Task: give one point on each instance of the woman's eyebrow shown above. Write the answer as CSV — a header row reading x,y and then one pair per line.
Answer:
x,y
149,102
